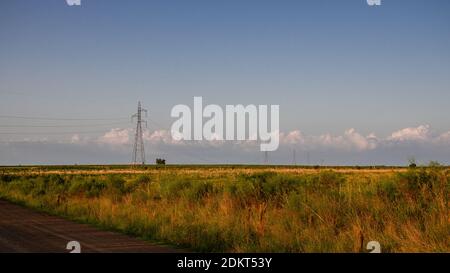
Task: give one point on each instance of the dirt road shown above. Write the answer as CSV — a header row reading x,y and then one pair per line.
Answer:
x,y
24,230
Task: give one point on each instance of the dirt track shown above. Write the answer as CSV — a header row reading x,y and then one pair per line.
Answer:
x,y
24,230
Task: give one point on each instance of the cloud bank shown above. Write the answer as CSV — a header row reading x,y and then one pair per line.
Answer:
x,y
350,147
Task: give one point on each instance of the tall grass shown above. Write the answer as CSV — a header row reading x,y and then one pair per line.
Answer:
x,y
263,211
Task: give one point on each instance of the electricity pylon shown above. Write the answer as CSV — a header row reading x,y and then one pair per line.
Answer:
x,y
294,158
266,157
138,147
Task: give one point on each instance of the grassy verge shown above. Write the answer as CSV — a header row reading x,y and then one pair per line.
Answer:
x,y
261,211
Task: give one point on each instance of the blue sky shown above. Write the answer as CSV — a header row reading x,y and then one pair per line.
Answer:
x,y
330,65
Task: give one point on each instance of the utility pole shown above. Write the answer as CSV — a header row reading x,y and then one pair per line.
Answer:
x,y
138,147
294,158
266,157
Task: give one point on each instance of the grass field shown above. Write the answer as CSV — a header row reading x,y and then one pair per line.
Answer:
x,y
248,208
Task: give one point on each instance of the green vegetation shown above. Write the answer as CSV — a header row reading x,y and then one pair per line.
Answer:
x,y
240,209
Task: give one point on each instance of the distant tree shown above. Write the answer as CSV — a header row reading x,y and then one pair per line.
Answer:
x,y
160,161
434,164
412,162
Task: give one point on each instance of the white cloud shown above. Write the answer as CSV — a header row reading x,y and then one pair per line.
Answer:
x,y
351,139
75,139
443,138
356,140
160,136
79,139
116,136
420,133
350,146
293,137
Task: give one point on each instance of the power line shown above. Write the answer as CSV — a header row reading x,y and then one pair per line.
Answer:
x,y
65,119
60,126
49,133
156,123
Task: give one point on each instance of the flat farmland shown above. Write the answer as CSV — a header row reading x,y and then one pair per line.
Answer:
x,y
224,208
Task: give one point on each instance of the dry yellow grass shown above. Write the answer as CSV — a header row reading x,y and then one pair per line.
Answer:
x,y
237,209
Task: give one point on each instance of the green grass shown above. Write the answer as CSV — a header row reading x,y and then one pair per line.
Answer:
x,y
249,209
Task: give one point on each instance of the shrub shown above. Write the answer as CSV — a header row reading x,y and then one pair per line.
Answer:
x,y
418,178
294,201
199,190
133,184
325,180
89,187
160,161
7,178
243,192
116,183
262,187
174,188
39,187
23,185
389,190
412,162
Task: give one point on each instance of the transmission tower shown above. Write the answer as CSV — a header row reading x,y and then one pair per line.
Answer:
x,y
266,157
138,147
294,158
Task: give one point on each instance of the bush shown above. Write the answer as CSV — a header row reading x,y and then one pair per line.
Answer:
x,y
116,183
417,179
412,162
174,188
7,178
133,184
243,192
199,190
326,180
89,187
278,187
23,185
294,201
263,187
389,190
39,187
160,161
